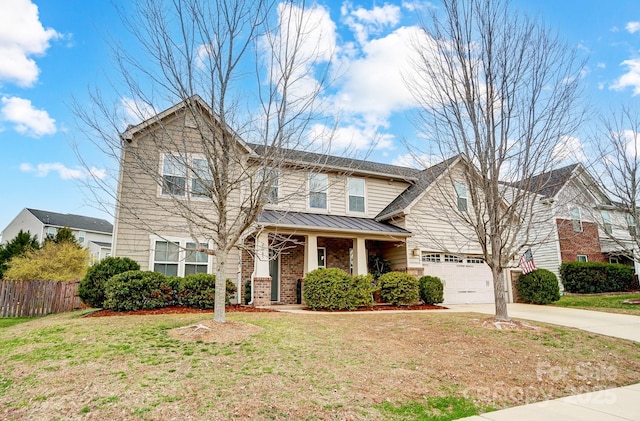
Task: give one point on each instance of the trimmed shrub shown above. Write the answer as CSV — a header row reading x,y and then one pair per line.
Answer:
x,y
539,287
136,290
53,262
91,288
335,289
198,290
596,277
431,289
247,292
399,288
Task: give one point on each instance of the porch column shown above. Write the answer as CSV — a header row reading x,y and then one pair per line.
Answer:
x,y
261,277
359,257
261,266
311,253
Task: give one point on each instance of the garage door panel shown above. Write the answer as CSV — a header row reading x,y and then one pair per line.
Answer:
x,y
464,283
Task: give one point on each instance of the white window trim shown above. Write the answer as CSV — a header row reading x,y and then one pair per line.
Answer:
x,y
573,219
182,252
277,185
326,192
364,196
586,258
189,178
324,251
430,258
452,258
607,226
458,196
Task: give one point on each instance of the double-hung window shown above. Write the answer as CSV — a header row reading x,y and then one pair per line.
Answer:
x,y
269,179
195,260
318,186
200,178
631,224
174,175
576,218
166,257
179,257
606,222
461,192
356,195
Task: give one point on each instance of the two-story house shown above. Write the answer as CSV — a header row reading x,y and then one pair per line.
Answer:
x,y
323,211
94,234
576,221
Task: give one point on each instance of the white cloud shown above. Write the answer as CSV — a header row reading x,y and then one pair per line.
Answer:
x,y
419,161
569,148
364,22
601,65
25,118
65,173
629,79
632,27
21,37
350,138
373,84
135,111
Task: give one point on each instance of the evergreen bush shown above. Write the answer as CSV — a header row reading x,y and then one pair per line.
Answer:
x,y
198,290
431,289
399,288
335,289
91,288
596,277
136,290
539,287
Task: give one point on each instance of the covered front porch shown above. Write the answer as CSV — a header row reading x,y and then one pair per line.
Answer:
x,y
286,249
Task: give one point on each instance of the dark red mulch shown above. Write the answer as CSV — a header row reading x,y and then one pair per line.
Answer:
x,y
383,307
236,308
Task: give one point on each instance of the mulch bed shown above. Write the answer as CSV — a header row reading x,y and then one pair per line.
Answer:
x,y
237,308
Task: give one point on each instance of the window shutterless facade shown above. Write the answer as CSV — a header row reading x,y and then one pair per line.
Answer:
x,y
461,192
182,175
357,198
318,186
606,222
271,179
576,218
178,257
174,175
200,178
631,225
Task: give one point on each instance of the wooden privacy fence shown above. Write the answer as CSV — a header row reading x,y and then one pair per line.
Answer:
x,y
37,298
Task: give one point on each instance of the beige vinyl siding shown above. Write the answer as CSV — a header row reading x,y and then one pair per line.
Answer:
x,y
434,223
396,255
543,237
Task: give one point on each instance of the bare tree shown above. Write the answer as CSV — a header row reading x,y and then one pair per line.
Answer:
x,y
501,90
616,168
240,71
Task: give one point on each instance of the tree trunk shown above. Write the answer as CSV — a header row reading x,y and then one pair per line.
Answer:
x,y
500,297
221,287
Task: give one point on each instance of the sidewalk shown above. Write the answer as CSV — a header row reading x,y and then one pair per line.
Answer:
x,y
622,403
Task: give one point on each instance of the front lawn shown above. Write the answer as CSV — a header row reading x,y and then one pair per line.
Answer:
x,y
319,366
10,321
610,303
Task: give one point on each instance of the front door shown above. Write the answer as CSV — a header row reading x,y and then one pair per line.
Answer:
x,y
274,272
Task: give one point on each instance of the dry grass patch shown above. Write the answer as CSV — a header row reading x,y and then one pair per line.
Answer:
x,y
316,367
210,331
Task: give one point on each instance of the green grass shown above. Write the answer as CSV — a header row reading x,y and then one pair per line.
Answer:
x,y
439,408
10,321
613,303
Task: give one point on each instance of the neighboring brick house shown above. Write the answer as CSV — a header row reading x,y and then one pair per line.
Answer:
x,y
577,221
327,211
94,234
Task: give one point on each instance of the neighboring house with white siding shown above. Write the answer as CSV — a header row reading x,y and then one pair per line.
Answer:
x,y
92,233
576,221
325,211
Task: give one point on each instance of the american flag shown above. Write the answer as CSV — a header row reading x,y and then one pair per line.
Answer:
x,y
526,262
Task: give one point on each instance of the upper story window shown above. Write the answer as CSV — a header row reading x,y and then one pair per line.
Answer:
x,y
81,237
356,195
271,179
576,218
318,186
51,232
631,224
200,178
174,175
461,192
182,175
606,222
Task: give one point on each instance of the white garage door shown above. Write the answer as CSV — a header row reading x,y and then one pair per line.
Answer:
x,y
467,279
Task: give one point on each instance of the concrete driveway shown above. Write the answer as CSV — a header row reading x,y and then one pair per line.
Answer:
x,y
617,325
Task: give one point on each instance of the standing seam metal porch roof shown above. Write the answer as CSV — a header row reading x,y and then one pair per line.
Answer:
x,y
332,222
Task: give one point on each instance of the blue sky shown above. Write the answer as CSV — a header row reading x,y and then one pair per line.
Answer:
x,y
52,51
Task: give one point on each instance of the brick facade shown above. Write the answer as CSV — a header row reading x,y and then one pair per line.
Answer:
x,y
337,250
262,291
291,269
573,243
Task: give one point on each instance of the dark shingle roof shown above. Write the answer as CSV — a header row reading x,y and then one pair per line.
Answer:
x,y
342,163
548,184
78,222
411,193
334,222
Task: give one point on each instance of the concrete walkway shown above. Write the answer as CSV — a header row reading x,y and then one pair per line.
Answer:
x,y
622,403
